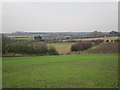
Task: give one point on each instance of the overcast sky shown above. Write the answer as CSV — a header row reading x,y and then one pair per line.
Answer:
x,y
59,16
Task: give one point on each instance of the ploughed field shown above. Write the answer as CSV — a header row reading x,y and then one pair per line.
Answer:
x,y
64,71
106,48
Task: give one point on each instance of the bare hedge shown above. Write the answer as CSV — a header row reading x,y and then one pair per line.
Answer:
x,y
26,47
81,46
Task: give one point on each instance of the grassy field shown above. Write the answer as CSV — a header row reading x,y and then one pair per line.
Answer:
x,y
27,38
65,71
62,48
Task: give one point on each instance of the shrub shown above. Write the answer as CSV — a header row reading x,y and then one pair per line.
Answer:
x,y
80,46
98,41
37,38
5,42
27,48
52,51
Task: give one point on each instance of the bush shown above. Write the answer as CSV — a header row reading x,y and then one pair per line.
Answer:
x,y
98,41
37,38
27,48
52,51
5,42
80,46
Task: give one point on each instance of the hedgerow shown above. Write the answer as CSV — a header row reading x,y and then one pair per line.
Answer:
x,y
81,46
26,47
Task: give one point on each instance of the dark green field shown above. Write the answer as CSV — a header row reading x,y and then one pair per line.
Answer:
x,y
67,71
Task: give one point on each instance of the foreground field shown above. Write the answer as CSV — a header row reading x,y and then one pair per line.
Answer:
x,y
67,71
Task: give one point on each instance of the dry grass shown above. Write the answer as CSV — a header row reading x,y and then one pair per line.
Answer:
x,y
103,38
62,48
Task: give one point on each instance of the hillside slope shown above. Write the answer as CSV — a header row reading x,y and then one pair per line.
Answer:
x,y
105,48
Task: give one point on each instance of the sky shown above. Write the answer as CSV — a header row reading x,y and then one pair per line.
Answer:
x,y
59,16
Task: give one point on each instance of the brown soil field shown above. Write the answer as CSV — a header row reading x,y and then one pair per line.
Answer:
x,y
106,48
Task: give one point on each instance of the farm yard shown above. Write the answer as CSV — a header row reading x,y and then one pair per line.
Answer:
x,y
64,71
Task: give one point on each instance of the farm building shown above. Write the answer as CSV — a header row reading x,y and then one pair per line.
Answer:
x,y
67,37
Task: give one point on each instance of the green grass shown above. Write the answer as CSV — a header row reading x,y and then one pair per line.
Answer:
x,y
65,71
29,38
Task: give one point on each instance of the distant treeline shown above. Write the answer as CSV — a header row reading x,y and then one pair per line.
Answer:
x,y
72,35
